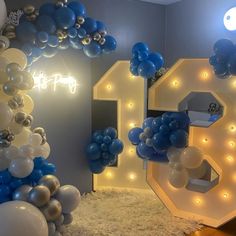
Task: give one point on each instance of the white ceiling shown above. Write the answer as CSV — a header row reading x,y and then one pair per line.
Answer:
x,y
163,2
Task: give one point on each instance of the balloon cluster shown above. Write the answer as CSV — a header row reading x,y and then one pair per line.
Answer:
x,y
145,63
25,174
104,150
59,26
224,60
185,164
157,135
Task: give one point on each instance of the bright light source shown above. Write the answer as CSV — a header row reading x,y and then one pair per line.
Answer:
x,y
230,19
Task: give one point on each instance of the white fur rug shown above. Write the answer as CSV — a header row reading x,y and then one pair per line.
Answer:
x,y
126,213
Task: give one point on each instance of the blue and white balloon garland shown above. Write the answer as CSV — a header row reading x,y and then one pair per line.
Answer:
x,y
104,150
224,60
165,139
145,63
59,26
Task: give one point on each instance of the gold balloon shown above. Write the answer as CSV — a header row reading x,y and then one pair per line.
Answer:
x,y
39,196
15,55
51,182
28,104
52,210
29,9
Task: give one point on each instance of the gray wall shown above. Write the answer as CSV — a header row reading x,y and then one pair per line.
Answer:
x,y
193,26
68,119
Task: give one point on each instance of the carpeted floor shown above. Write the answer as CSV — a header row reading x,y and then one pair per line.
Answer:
x,y
126,213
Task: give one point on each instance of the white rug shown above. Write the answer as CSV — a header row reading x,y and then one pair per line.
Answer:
x,y
126,213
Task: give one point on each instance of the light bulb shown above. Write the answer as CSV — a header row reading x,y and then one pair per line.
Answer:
x,y
175,83
232,128
132,125
130,105
230,19
230,159
197,201
132,176
231,144
109,175
205,140
109,87
204,75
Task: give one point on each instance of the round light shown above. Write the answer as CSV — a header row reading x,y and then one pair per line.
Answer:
x,y
230,19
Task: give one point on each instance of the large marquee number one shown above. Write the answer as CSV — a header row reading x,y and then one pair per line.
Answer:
x,y
118,85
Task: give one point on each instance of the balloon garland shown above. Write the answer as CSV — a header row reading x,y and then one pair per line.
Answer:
x,y
58,26
25,174
145,63
103,150
224,60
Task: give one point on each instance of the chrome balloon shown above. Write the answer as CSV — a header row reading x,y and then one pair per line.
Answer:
x,y
22,193
51,182
52,210
39,196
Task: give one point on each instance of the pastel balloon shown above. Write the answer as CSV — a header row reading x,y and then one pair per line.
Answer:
x,y
43,150
11,152
35,139
6,115
3,13
15,127
26,151
21,218
28,104
21,167
22,138
69,197
15,55
191,157
178,179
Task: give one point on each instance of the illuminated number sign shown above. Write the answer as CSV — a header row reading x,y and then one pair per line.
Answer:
x,y
118,85
186,80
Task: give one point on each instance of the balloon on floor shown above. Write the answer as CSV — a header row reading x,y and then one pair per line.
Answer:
x,y
33,202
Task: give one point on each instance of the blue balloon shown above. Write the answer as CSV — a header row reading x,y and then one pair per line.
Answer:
x,y
116,147
232,64
224,47
49,52
156,124
78,8
144,151
75,43
135,62
157,60
30,61
213,60
81,33
166,118
53,41
65,18
174,125
93,151
104,147
95,134
92,50
179,138
15,183
42,36
107,161
5,177
36,175
134,135
48,169
147,69
160,141
39,162
111,132
4,199
4,190
214,118
27,49
160,156
222,70
90,25
140,47
182,119
72,32
143,55
164,130
107,139
65,44
47,9
147,123
26,32
36,53
41,45
101,26
110,44
96,167
46,23
134,70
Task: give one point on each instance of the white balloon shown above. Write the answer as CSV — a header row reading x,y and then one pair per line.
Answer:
x,y
35,139
3,13
3,63
15,55
15,127
11,152
21,167
173,154
69,197
51,228
6,115
22,138
26,151
191,157
199,172
42,150
18,218
4,162
178,179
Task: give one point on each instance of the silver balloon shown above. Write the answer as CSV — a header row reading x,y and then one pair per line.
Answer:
x,y
52,210
22,193
39,196
57,234
102,41
80,20
51,228
59,221
68,219
61,229
51,182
